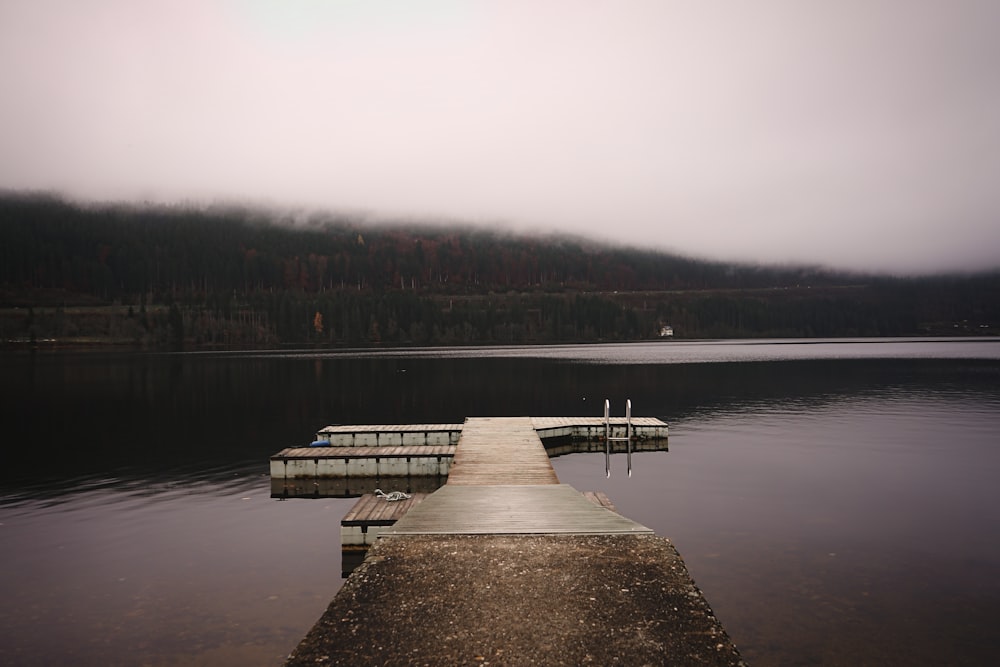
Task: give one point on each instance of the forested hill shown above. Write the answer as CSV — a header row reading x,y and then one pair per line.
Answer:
x,y
231,277
116,251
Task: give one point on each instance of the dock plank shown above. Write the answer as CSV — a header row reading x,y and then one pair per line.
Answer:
x,y
501,450
384,510
520,509
361,509
371,510
600,499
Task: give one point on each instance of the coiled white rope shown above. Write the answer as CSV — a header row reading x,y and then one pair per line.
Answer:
x,y
392,496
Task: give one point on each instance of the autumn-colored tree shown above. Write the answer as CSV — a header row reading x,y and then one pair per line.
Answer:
x,y
318,322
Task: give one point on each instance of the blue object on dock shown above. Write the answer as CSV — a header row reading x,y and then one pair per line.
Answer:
x,y
319,443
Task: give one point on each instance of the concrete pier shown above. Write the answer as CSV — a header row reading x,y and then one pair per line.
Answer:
x,y
504,565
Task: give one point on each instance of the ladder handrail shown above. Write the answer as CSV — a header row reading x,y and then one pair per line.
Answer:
x,y
608,439
628,432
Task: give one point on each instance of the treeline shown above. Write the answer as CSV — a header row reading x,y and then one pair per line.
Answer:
x,y
165,276
119,251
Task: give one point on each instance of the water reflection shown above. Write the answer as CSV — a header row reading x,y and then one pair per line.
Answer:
x,y
350,487
129,482
836,511
688,352
197,572
844,533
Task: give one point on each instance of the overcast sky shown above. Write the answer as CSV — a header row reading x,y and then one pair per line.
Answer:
x,y
853,133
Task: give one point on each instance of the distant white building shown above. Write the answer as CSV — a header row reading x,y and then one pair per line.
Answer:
x,y
666,331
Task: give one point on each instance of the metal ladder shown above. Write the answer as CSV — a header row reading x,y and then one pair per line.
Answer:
x,y
608,439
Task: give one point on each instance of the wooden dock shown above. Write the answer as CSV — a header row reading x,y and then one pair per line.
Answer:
x,y
520,509
503,450
505,565
577,428
600,498
370,515
413,450
502,483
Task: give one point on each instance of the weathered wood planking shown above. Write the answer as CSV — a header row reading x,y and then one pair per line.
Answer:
x,y
600,499
369,516
371,509
502,483
540,509
500,450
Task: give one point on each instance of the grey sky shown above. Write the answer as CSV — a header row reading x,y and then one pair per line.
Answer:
x,y
855,133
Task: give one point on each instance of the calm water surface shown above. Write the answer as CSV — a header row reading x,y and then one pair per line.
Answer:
x,y
836,500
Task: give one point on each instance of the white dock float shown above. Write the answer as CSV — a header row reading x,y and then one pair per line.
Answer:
x,y
390,435
592,428
561,446
412,461
403,435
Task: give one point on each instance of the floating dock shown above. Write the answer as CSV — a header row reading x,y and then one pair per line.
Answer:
x,y
363,461
362,524
398,435
390,435
507,566
410,451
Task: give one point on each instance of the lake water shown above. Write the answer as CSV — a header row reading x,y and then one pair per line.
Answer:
x,y
837,501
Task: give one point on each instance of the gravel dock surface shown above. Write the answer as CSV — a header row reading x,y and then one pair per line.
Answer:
x,y
519,600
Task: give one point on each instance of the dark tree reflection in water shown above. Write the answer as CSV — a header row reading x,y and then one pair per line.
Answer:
x,y
836,501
